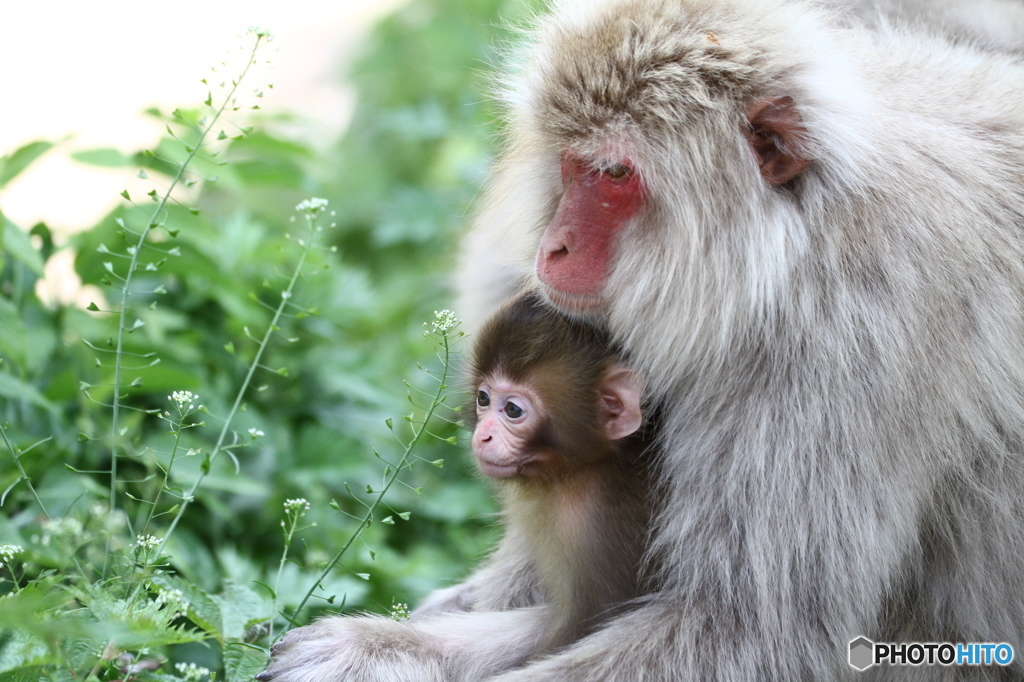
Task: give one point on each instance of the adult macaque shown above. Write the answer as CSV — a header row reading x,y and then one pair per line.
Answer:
x,y
991,24
809,235
557,422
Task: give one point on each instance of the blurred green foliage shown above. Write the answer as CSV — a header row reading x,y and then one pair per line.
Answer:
x,y
401,181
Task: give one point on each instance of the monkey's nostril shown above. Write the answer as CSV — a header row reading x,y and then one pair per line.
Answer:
x,y
559,253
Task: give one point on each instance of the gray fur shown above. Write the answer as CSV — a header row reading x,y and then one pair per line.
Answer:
x,y
989,24
844,355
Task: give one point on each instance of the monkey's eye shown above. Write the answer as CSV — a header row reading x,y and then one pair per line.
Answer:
x,y
513,411
482,399
616,171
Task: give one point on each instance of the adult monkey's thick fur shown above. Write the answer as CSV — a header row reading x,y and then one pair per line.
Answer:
x,y
842,354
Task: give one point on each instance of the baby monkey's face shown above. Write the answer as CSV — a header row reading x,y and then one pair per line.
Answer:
x,y
508,415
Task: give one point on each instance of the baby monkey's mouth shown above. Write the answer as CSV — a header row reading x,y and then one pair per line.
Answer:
x,y
498,469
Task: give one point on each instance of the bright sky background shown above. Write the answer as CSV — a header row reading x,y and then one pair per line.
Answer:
x,y
87,69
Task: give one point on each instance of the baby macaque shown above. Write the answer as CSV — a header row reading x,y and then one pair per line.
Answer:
x,y
558,425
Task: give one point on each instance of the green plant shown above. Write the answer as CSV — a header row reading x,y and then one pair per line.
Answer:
x,y
136,602
104,508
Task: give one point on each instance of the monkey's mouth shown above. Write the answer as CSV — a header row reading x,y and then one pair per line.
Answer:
x,y
572,303
496,470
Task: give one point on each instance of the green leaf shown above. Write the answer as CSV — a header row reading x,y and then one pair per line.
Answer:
x,y
240,606
32,673
106,157
26,630
18,244
203,610
6,492
13,336
22,650
11,166
15,389
242,663
268,588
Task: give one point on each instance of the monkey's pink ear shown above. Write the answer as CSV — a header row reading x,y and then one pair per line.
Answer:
x,y
621,391
775,131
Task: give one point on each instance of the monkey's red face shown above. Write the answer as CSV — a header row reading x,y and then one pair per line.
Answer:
x,y
508,415
578,247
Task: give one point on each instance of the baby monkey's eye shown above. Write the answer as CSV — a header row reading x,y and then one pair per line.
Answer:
x,y
482,399
513,411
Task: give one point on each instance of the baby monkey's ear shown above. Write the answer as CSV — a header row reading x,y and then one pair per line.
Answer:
x,y
621,390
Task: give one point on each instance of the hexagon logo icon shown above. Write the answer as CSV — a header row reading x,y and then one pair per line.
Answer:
x,y
862,653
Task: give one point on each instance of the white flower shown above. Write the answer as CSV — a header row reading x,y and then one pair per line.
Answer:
x,y
256,433
183,398
299,505
399,611
445,321
191,671
312,206
172,600
147,543
8,552
67,526
172,596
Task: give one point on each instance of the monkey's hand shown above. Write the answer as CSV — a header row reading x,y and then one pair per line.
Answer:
x,y
447,648
363,648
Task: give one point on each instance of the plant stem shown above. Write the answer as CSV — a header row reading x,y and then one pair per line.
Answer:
x,y
286,296
32,488
167,476
293,521
368,517
24,474
129,277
